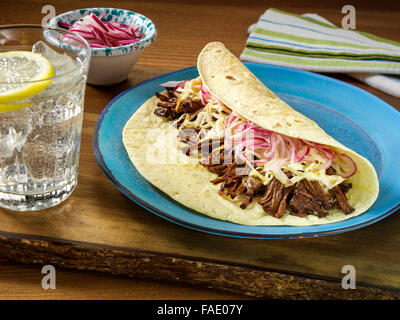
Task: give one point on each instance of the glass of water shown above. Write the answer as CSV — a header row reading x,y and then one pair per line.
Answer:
x,y
42,88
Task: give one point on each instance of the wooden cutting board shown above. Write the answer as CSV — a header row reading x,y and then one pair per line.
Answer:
x,y
98,228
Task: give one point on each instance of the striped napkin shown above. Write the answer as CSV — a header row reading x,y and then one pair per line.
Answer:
x,y
312,43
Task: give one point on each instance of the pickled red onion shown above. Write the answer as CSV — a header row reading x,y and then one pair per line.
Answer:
x,y
325,151
174,84
277,149
206,96
346,167
103,34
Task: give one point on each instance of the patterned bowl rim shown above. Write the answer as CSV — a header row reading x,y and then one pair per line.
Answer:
x,y
148,38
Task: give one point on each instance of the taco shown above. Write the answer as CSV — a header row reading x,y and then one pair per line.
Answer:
x,y
226,146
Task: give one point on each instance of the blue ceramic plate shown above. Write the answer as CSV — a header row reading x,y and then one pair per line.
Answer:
x,y
354,117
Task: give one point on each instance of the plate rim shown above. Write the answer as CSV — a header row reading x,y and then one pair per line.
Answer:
x,y
130,195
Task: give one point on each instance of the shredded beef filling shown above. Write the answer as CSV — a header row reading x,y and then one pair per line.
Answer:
x,y
303,198
339,193
168,106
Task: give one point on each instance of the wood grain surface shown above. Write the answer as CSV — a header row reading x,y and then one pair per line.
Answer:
x,y
98,228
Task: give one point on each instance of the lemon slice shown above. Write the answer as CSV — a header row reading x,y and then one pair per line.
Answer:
x,y
18,72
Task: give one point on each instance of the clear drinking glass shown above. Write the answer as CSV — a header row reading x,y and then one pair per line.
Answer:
x,y
40,137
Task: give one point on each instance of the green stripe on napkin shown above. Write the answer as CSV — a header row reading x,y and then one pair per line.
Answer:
x,y
319,62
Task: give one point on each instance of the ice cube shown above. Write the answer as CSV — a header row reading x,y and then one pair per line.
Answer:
x,y
14,129
61,63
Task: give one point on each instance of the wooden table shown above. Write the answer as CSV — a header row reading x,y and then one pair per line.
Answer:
x,y
99,229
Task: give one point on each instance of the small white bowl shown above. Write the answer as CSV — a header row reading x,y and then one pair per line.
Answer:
x,y
112,65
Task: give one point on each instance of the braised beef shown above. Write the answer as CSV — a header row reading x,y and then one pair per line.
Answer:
x,y
339,193
162,97
163,112
342,202
219,169
233,177
273,197
274,201
283,203
168,106
345,187
253,187
306,200
219,156
189,106
171,93
206,147
254,183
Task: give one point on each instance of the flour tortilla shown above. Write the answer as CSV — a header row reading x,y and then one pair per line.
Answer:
x,y
155,151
